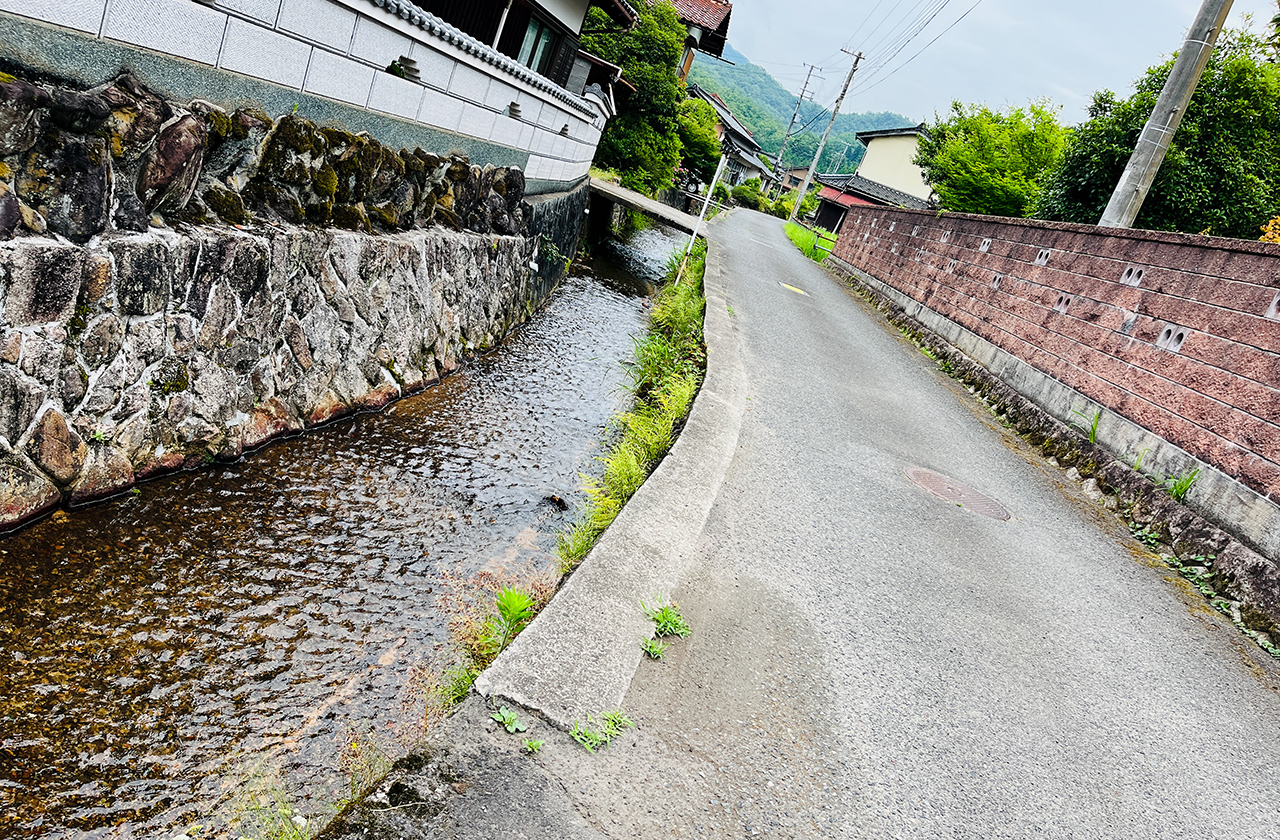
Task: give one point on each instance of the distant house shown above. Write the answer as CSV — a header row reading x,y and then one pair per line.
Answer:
x,y
792,178
745,157
707,22
885,177
888,159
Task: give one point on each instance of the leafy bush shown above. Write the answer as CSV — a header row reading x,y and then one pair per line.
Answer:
x,y
748,195
982,161
701,147
642,143
1221,175
782,207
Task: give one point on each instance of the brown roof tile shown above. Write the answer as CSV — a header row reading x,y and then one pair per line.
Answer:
x,y
708,14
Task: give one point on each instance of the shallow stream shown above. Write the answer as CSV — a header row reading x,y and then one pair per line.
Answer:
x,y
236,628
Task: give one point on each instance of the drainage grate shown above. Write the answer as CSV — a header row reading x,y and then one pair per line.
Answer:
x,y
956,493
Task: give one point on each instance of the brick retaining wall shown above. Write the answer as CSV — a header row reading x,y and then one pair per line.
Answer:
x,y
1179,334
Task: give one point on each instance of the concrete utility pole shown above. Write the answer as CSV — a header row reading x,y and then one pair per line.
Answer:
x,y
1147,156
804,188
786,135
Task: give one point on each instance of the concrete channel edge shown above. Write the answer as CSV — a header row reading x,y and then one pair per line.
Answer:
x,y
579,655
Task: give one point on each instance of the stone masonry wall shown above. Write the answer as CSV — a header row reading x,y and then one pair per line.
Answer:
x,y
173,288
119,157
151,352
1179,334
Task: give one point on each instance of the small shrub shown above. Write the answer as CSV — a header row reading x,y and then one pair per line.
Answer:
x,y
748,194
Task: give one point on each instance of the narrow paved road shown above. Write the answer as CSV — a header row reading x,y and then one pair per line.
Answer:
x,y
986,678
869,661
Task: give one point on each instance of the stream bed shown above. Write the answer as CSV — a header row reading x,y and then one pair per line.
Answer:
x,y
237,628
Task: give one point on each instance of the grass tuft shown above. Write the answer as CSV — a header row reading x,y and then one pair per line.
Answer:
x,y
807,241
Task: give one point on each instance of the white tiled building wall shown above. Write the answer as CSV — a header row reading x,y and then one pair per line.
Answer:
x,y
339,49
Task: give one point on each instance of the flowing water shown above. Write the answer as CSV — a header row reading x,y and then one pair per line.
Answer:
x,y
238,628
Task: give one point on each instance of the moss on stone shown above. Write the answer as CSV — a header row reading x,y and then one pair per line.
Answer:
x,y
350,216
281,201
219,123
355,174
227,204
295,133
338,137
78,322
385,215
412,163
6,78
240,126
6,171
196,213
320,212
446,215
325,182
392,162
170,377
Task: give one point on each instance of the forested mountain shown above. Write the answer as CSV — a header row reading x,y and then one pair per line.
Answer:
x,y
764,107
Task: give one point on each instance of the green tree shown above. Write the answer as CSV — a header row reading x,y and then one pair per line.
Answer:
x,y
983,161
697,122
1221,175
642,142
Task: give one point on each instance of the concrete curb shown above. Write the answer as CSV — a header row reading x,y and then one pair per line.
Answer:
x,y
578,657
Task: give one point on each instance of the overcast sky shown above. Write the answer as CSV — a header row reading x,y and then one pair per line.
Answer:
x,y
1003,52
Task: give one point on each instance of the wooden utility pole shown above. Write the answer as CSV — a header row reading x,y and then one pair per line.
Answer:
x,y
1147,156
804,188
786,135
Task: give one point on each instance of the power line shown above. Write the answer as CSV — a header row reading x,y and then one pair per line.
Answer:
x,y
836,54
835,111
909,33
865,88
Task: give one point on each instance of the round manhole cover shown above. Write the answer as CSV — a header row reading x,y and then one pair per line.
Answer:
x,y
953,491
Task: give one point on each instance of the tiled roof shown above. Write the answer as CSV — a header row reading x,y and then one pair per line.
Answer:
x,y
727,119
708,14
866,136
871,189
844,199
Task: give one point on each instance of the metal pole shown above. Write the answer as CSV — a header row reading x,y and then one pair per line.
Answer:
x,y
720,168
698,225
502,22
804,188
1149,153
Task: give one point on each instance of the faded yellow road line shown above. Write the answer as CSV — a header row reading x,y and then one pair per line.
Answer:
x,y
794,289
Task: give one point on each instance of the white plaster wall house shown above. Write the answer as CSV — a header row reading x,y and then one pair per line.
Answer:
x,y
888,160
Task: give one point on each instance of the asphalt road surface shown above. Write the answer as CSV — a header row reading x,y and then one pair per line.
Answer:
x,y
870,661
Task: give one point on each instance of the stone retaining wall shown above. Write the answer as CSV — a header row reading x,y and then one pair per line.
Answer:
x,y
130,347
